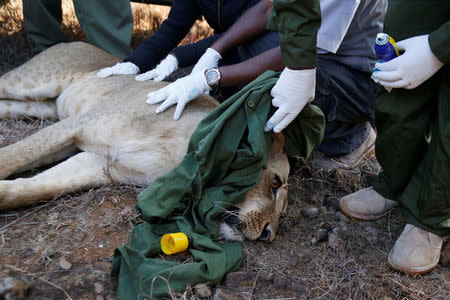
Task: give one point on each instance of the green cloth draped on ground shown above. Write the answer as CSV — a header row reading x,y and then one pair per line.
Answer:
x,y
225,157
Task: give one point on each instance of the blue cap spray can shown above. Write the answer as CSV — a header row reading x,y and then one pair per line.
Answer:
x,y
385,47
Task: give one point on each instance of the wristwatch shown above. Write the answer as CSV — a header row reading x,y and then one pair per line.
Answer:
x,y
212,77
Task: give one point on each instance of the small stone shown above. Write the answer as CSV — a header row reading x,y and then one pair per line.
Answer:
x,y
64,264
371,234
227,294
331,203
202,290
334,241
240,279
310,212
325,225
98,288
342,225
321,235
341,217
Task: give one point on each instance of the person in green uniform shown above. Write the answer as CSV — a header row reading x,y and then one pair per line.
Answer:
x,y
297,23
106,24
413,142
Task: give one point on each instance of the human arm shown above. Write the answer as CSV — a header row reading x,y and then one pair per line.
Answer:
x,y
181,17
187,88
423,56
251,24
439,41
297,23
178,23
246,71
187,55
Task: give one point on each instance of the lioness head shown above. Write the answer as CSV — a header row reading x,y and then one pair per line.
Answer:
x,y
257,216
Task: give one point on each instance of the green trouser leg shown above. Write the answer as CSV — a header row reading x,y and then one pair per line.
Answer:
x,y
106,24
414,172
42,22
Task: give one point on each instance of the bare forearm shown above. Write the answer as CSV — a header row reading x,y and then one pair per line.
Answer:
x,y
248,70
250,24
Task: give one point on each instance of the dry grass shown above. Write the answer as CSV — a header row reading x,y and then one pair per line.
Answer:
x,y
147,19
12,36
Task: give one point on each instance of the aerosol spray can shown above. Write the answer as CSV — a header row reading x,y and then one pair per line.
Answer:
x,y
385,47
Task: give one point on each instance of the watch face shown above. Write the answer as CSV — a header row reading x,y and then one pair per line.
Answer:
x,y
213,77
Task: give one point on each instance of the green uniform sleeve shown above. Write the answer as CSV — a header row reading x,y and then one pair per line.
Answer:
x,y
297,22
439,41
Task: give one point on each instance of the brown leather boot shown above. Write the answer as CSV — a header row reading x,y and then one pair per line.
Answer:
x,y
365,204
416,251
349,161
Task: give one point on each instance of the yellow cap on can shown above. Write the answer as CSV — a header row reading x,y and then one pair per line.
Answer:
x,y
174,242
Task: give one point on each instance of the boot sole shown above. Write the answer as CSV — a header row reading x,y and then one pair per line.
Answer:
x,y
411,271
354,215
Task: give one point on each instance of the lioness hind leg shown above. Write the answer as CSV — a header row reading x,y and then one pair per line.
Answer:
x,y
47,74
15,109
37,148
84,170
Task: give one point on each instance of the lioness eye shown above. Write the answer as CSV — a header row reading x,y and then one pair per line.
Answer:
x,y
276,183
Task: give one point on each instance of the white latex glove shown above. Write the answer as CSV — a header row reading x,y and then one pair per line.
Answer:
x,y
166,67
210,59
290,94
125,68
410,69
179,92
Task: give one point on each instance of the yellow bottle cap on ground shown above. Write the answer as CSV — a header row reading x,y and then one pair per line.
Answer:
x,y
174,243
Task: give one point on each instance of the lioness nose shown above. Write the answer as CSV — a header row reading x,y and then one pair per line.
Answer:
x,y
266,233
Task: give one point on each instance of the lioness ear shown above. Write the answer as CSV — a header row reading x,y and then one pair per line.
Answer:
x,y
278,141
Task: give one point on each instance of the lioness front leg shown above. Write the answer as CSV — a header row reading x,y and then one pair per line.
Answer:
x,y
84,170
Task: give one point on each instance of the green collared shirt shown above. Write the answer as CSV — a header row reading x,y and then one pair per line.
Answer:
x,y
297,22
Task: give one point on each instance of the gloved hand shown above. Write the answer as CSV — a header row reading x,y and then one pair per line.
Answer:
x,y
166,67
210,59
179,92
410,69
125,68
290,94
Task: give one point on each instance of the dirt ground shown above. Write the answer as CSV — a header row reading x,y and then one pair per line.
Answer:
x,y
61,249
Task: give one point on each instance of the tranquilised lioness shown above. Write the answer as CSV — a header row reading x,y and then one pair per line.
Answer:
x,y
120,137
